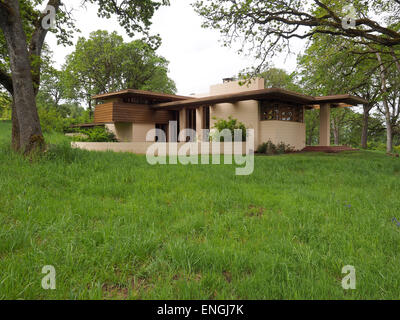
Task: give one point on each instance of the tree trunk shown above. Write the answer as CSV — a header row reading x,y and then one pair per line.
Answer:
x,y
310,135
335,129
389,136
364,134
15,137
26,116
309,138
90,108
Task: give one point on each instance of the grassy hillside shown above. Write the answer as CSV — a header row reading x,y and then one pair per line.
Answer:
x,y
115,227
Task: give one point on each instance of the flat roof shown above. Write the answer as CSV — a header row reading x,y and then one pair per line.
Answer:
x,y
341,98
162,97
265,94
171,101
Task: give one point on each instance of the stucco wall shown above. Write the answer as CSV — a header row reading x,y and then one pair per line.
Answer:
x,y
244,111
234,87
130,132
140,131
292,133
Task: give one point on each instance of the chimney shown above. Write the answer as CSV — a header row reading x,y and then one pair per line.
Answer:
x,y
226,80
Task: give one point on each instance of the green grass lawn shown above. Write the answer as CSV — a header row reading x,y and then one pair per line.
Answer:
x,y
115,227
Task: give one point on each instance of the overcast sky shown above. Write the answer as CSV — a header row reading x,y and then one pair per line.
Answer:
x,y
197,58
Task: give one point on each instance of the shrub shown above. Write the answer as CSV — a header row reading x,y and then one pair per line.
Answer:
x,y
270,149
50,120
230,124
379,146
96,134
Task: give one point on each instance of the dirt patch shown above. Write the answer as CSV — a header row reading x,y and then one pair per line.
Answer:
x,y
254,211
123,291
227,276
193,277
112,291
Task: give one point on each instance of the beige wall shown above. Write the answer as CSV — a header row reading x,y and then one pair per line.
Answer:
x,y
244,111
234,87
140,131
292,133
130,132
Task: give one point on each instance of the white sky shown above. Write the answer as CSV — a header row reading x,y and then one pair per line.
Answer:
x,y
197,58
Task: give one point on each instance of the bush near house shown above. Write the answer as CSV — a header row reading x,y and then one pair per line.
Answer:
x,y
96,134
270,148
231,124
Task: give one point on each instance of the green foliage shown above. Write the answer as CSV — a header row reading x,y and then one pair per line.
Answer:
x,y
231,124
54,120
265,28
104,63
5,106
279,78
378,146
96,134
311,118
134,16
270,148
51,120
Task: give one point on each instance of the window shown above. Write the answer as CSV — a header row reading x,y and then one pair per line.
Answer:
x,y
281,112
206,117
136,100
191,119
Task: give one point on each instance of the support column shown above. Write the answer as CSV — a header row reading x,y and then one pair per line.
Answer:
x,y
182,120
325,125
199,123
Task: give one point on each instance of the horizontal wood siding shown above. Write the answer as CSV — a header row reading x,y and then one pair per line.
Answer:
x,y
163,116
103,113
126,112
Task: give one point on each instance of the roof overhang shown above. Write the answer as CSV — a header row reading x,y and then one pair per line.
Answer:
x,y
341,99
338,101
160,97
176,102
264,94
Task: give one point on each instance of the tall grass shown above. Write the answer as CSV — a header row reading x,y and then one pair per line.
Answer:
x,y
115,227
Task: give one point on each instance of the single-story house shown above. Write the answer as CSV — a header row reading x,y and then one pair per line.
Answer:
x,y
274,114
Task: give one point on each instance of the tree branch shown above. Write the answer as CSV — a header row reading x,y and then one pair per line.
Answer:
x,y
37,41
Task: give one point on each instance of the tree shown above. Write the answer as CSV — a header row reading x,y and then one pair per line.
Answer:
x,y
104,63
24,29
329,66
311,118
52,87
267,26
279,78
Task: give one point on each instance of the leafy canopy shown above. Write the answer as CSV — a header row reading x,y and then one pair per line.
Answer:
x,y
105,63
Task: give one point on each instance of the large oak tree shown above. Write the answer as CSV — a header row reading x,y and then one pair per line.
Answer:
x,y
267,26
23,29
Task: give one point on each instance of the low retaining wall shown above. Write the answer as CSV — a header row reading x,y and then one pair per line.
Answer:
x,y
159,147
